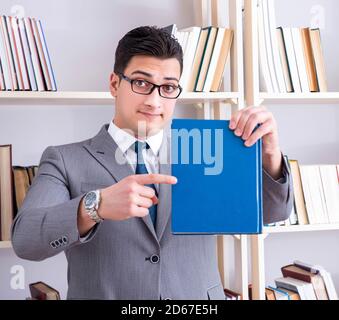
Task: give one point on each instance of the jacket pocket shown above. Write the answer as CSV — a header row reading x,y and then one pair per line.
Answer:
x,y
216,293
89,186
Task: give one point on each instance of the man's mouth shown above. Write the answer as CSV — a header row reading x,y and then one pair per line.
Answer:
x,y
150,115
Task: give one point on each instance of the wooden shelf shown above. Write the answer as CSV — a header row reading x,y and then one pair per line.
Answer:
x,y
102,98
299,228
300,98
5,244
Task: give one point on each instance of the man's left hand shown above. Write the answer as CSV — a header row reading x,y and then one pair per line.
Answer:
x,y
244,123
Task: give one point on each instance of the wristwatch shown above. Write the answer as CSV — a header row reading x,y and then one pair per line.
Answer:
x,y
92,202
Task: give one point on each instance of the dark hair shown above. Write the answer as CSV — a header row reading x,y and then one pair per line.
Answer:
x,y
148,41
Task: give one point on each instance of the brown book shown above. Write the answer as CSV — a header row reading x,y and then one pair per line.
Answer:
x,y
309,60
299,198
269,293
318,59
21,185
6,189
224,53
30,172
315,279
42,291
232,295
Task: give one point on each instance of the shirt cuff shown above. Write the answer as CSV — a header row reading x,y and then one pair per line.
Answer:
x,y
285,172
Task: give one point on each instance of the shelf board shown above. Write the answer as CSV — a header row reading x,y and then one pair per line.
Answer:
x,y
299,228
101,98
300,98
5,244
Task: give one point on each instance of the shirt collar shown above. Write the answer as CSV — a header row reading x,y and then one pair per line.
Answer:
x,y
125,140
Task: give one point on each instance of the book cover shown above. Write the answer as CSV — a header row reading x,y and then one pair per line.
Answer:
x,y
219,189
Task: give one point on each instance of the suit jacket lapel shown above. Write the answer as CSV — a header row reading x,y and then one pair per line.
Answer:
x,y
165,190
104,149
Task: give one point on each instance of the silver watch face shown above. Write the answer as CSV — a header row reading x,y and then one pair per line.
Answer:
x,y
90,200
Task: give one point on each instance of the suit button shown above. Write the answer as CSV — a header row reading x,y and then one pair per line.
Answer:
x,y
155,259
52,244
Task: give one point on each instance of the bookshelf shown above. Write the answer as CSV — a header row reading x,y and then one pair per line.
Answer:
x,y
211,106
103,98
5,244
254,97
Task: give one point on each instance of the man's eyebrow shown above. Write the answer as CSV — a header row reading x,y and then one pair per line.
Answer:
x,y
150,76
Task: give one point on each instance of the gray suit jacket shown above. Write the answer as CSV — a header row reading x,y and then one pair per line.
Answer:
x,y
120,259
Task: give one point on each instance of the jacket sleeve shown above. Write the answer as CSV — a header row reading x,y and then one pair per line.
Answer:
x,y
277,196
46,223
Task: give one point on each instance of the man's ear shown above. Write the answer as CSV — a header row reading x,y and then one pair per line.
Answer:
x,y
114,84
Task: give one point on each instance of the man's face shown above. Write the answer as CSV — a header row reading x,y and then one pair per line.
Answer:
x,y
152,111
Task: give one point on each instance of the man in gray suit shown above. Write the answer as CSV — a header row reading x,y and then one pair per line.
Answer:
x,y
110,215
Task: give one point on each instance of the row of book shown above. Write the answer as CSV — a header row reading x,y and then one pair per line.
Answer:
x,y
302,281
14,184
290,59
316,194
25,63
206,51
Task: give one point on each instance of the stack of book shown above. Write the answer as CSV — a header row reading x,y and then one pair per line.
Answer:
x,y
205,55
316,194
291,59
302,281
25,63
42,291
14,184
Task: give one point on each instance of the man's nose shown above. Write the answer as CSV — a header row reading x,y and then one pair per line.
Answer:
x,y
154,99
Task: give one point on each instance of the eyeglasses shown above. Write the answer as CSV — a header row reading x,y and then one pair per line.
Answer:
x,y
141,86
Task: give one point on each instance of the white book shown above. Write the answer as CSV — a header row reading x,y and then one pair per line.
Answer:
x,y
292,62
27,54
266,84
330,185
304,289
2,80
15,54
306,180
5,59
269,50
46,54
329,284
293,219
34,55
275,49
14,82
42,57
22,61
300,58
214,59
284,61
317,192
191,48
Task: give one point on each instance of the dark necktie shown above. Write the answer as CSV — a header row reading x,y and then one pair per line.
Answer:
x,y
141,169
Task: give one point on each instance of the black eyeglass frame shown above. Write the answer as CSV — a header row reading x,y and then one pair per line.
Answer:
x,y
153,86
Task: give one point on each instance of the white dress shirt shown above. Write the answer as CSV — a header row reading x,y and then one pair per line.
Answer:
x,y
125,141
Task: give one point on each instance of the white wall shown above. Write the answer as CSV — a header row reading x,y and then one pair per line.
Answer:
x,y
308,133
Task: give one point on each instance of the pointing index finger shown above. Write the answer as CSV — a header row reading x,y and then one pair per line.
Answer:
x,y
155,178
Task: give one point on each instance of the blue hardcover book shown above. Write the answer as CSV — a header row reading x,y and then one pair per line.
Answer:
x,y
219,189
